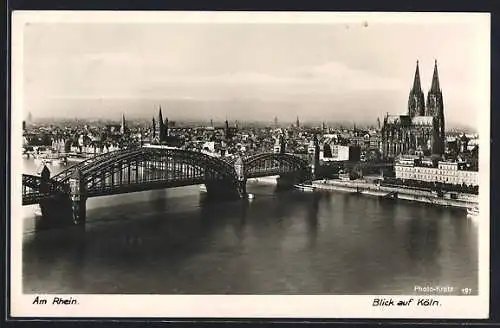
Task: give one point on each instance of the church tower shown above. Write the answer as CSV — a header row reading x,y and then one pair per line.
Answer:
x,y
416,102
226,130
166,127
435,108
154,128
123,127
160,128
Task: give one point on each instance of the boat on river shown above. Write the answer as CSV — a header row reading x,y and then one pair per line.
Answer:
x,y
37,212
473,212
304,187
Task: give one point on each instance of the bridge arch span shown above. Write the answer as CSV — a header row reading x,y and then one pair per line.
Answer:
x,y
152,168
64,176
274,164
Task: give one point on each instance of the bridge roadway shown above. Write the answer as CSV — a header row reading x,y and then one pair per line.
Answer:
x,y
148,168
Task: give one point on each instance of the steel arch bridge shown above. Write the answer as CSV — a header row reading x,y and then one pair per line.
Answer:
x,y
147,168
266,164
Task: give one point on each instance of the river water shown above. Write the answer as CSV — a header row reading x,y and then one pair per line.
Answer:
x,y
174,242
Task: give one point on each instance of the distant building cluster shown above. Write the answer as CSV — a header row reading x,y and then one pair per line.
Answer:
x,y
334,150
415,144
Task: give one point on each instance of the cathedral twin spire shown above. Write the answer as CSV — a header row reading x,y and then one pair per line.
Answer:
x,y
416,80
435,79
416,101
435,96
433,107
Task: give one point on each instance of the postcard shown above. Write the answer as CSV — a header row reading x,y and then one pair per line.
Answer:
x,y
250,165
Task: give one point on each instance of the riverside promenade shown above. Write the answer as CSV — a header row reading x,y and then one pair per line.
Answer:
x,y
368,188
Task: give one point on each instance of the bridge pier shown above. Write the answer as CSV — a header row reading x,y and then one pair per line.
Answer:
x,y
79,210
78,197
285,182
242,187
239,167
51,206
45,178
55,212
222,189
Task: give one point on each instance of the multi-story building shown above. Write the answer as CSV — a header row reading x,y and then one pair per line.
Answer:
x,y
61,145
332,152
421,131
279,145
429,170
373,140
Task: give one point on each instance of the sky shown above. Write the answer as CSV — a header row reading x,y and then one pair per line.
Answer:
x,y
326,71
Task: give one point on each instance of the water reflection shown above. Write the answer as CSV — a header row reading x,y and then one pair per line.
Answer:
x,y
313,220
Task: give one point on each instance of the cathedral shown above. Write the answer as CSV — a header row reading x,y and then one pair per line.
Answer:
x,y
421,131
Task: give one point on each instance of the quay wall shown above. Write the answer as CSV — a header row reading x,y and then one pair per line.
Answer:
x,y
365,188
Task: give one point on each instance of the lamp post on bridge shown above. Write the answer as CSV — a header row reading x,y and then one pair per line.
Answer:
x,y
78,197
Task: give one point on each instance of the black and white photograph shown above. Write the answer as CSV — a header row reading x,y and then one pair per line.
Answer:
x,y
250,164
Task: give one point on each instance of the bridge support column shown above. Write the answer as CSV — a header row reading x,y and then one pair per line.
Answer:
x,y
242,187
55,212
79,210
315,163
285,182
239,167
222,189
45,177
44,204
78,197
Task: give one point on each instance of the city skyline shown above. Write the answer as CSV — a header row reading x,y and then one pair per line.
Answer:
x,y
250,72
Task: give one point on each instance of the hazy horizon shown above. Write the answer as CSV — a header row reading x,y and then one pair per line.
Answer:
x,y
250,72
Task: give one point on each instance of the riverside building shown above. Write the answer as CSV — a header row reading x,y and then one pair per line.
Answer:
x,y
430,170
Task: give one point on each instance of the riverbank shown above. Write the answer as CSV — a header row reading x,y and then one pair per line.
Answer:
x,y
57,160
370,189
271,180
